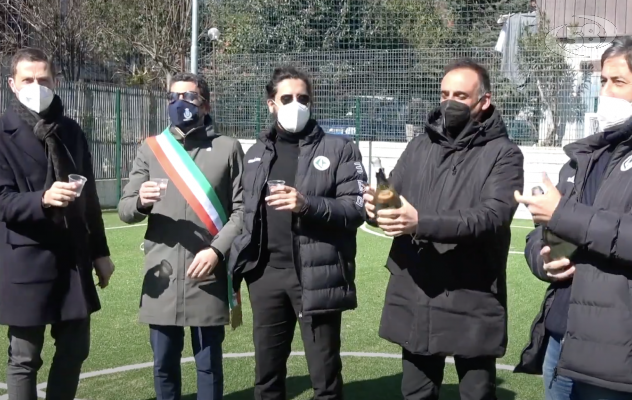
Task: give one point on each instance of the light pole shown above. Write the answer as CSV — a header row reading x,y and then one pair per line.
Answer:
x,y
214,34
194,36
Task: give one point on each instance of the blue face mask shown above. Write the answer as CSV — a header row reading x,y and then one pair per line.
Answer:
x,y
183,114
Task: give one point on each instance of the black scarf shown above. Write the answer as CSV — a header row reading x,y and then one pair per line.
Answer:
x,y
46,126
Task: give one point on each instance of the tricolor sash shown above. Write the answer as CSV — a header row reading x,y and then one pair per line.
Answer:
x,y
199,194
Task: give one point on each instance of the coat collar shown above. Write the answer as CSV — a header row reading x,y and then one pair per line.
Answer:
x,y
22,135
312,133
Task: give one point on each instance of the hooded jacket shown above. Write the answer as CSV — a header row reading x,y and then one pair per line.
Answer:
x,y
447,290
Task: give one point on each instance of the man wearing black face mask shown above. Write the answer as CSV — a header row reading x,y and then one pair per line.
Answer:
x,y
447,290
188,181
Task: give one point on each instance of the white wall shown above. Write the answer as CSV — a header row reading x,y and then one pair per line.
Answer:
x,y
536,161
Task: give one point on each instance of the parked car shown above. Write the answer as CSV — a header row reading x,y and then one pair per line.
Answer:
x,y
381,119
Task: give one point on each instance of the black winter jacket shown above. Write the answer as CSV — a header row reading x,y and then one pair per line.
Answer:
x,y
447,290
597,347
330,175
532,357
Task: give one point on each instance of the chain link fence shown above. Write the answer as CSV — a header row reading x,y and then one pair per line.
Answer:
x,y
376,65
385,95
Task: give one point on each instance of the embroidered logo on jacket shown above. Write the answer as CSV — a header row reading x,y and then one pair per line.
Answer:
x,y
321,163
627,164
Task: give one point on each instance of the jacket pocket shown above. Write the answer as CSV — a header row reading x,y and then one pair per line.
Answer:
x,y
347,275
16,239
28,261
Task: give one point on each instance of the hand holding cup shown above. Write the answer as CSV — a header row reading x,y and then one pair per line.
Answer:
x,y
149,193
59,195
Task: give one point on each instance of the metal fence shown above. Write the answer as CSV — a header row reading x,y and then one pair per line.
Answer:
x,y
385,95
114,119
376,65
374,95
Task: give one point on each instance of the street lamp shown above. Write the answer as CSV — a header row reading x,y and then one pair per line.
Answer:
x,y
214,35
194,35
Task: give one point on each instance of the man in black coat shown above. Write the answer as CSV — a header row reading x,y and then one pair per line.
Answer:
x,y
590,210
52,233
447,292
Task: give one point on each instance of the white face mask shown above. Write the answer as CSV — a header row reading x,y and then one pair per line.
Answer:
x,y
612,113
293,117
36,97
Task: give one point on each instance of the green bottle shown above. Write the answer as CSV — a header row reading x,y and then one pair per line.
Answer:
x,y
559,248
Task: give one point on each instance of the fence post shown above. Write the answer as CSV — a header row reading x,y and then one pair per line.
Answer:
x,y
118,144
370,159
258,127
357,121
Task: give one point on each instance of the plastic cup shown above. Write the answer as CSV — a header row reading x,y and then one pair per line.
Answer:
x,y
162,184
275,183
79,181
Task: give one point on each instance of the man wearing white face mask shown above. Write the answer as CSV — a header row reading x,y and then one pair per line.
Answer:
x,y
53,233
298,246
582,336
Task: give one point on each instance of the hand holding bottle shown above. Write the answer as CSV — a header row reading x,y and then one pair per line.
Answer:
x,y
398,221
369,197
558,270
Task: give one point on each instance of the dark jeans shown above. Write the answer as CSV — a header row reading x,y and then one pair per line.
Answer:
x,y
584,391
72,346
423,375
275,298
167,342
558,387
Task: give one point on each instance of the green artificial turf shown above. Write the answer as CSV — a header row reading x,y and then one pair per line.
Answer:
x,y
119,340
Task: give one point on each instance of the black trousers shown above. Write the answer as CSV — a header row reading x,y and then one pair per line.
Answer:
x,y
423,375
275,298
72,346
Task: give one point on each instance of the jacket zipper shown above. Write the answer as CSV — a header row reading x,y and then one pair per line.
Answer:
x,y
453,171
295,217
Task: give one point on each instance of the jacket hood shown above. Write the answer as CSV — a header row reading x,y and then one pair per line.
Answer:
x,y
598,141
475,134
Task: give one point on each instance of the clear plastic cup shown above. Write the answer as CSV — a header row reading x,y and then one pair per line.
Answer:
x,y
162,184
275,183
79,181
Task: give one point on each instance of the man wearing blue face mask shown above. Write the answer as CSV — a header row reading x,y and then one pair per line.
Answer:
x,y
581,339
187,182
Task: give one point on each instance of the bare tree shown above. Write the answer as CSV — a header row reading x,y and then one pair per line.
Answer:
x,y
155,33
64,29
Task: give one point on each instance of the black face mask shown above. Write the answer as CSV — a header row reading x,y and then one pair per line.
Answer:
x,y
456,116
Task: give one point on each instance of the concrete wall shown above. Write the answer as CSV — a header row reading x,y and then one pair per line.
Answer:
x,y
537,161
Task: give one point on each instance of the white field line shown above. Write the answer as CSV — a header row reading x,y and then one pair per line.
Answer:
x,y
137,225
366,229
122,227
147,365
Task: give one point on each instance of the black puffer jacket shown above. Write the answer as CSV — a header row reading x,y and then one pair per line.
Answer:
x,y
532,357
330,176
447,291
597,347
